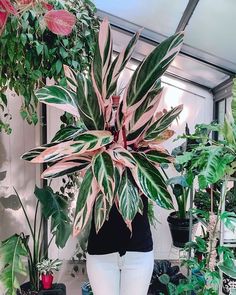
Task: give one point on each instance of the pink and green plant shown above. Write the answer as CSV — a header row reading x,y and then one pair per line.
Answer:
x,y
117,149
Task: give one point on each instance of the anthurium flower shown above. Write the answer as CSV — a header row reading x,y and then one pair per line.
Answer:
x,y
3,20
6,6
60,22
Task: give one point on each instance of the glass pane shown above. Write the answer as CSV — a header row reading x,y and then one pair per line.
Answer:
x,y
212,30
221,111
182,66
228,105
161,16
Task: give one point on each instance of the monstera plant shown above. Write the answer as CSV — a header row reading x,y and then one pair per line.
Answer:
x,y
117,148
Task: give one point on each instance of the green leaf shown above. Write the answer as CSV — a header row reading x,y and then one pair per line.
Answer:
x,y
212,164
151,182
101,211
162,123
151,69
39,48
86,142
12,252
89,108
58,66
164,279
229,220
67,133
160,157
228,267
103,170
59,97
128,197
85,201
57,208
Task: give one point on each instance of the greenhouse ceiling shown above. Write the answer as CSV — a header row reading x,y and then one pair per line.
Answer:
x,y
208,56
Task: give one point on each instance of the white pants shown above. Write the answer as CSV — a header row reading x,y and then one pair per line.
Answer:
x,y
111,274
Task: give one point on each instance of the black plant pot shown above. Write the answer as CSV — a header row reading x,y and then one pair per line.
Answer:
x,y
179,228
57,289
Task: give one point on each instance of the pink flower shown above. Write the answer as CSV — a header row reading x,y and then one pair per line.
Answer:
x,y
60,22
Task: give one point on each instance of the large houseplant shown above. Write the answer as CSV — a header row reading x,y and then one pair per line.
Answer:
x,y
116,150
16,248
181,187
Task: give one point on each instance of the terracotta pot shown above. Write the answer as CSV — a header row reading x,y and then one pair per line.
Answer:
x,y
47,281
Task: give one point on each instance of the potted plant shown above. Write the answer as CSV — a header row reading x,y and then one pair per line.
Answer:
x,y
86,289
179,220
118,162
15,249
164,268
46,268
181,186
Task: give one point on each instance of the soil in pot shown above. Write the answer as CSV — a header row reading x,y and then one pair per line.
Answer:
x,y
179,228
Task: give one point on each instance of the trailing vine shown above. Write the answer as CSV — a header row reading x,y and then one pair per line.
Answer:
x,y
30,52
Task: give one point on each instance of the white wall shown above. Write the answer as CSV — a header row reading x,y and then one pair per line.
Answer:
x,y
19,173
198,108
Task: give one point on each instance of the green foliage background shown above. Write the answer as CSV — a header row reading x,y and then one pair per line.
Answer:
x,y
30,53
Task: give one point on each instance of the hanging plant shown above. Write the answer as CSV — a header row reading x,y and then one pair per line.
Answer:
x,y
36,39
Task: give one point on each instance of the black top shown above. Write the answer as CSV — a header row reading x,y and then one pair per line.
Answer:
x,y
114,236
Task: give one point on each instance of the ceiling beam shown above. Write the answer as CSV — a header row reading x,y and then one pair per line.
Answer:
x,y
156,38
188,12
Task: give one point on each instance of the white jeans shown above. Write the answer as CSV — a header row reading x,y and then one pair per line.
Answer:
x,y
111,274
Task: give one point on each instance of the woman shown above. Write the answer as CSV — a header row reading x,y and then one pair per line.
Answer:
x,y
118,262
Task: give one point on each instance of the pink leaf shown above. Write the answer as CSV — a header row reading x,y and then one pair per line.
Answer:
x,y
7,6
60,22
3,20
26,2
47,6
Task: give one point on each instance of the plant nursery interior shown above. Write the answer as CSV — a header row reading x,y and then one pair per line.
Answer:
x,y
117,137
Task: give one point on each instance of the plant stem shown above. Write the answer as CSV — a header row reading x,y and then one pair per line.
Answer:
x,y
26,216
124,137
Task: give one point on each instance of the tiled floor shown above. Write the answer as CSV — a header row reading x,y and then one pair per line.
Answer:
x,y
73,284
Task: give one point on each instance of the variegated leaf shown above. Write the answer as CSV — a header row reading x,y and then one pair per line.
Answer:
x,y
86,142
102,58
128,198
119,64
121,156
158,156
67,166
162,123
89,108
85,201
103,170
101,211
59,97
67,133
29,156
70,78
150,182
150,70
138,122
